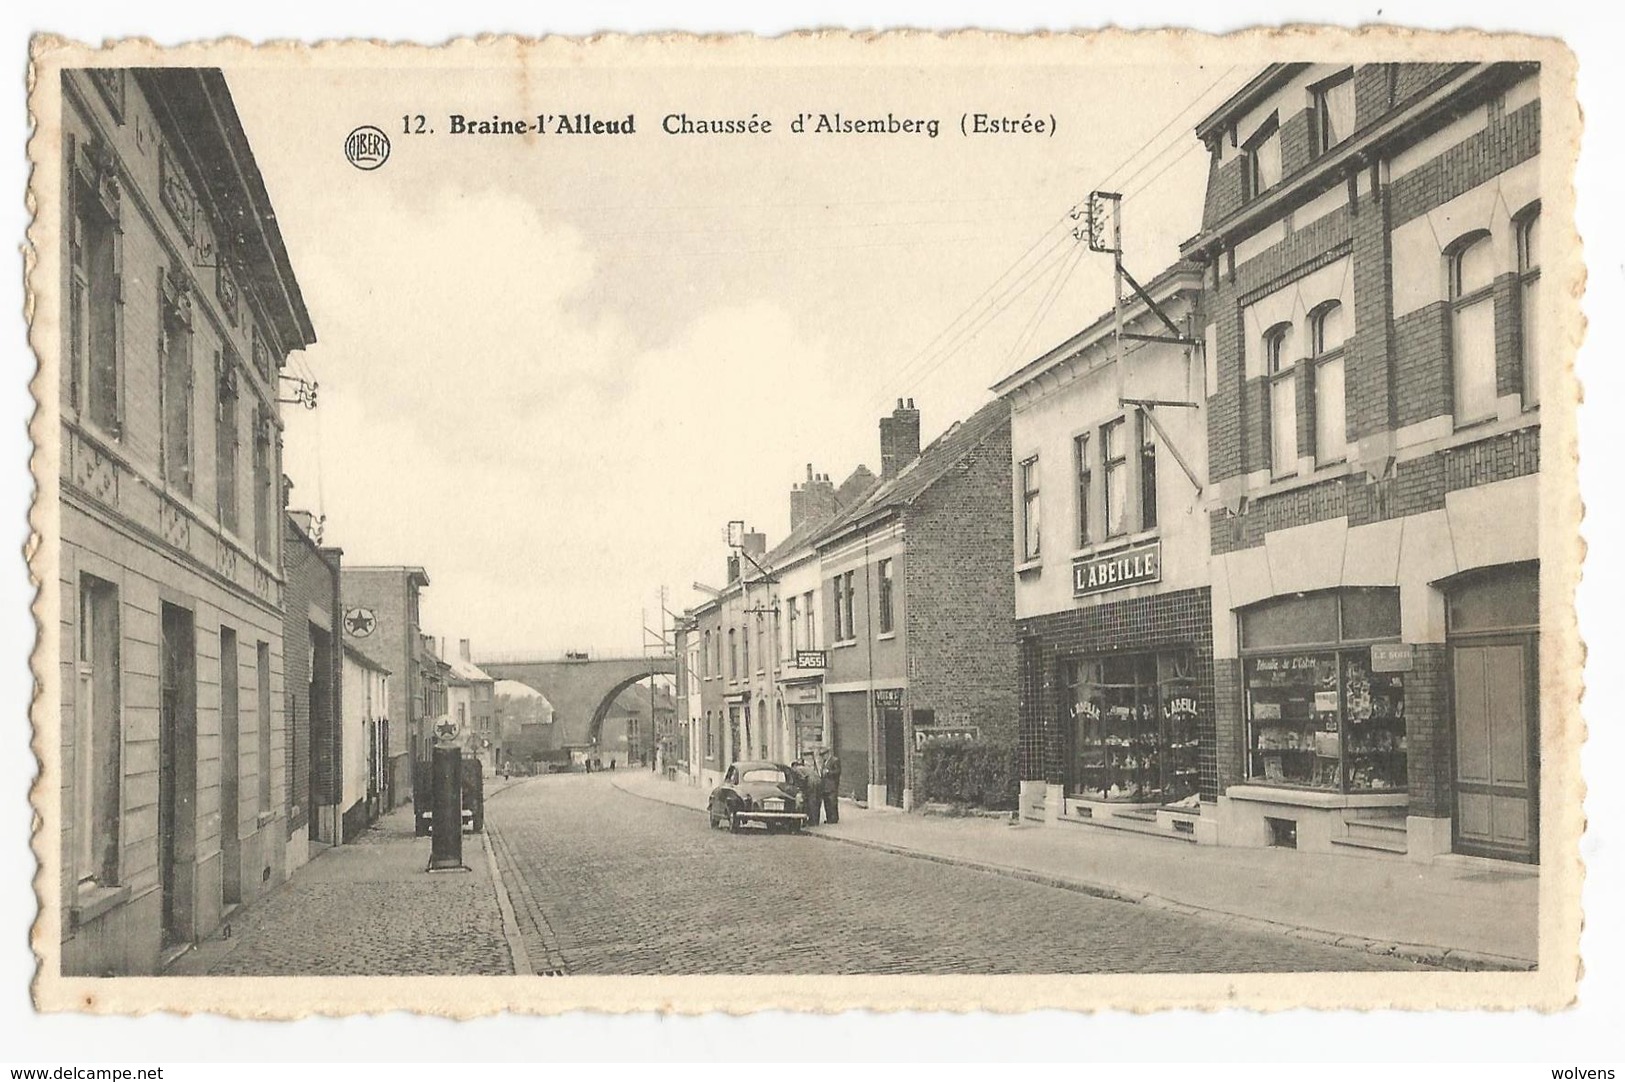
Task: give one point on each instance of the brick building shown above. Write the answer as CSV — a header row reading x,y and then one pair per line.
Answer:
x,y
1371,249
179,309
382,619
313,686
1111,554
920,631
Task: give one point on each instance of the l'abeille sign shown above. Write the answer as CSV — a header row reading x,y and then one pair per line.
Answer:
x,y
1114,570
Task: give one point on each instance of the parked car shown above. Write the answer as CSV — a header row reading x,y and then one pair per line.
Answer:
x,y
771,794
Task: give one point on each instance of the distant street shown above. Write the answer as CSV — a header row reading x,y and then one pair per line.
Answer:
x,y
605,882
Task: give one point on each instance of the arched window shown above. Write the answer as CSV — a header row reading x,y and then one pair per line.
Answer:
x,y
1471,266
1280,370
1328,329
1528,228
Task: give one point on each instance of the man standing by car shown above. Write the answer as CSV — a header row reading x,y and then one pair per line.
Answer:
x,y
807,767
829,768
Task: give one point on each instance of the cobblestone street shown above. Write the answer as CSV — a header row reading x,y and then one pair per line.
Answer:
x,y
605,882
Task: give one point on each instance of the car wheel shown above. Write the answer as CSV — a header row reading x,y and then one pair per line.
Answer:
x,y
735,825
716,820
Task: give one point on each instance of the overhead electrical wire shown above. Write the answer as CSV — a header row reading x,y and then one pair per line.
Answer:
x,y
934,355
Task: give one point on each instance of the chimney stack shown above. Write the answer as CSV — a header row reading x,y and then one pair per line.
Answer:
x,y
899,439
462,649
754,544
813,501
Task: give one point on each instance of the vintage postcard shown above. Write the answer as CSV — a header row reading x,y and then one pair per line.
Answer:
x,y
958,521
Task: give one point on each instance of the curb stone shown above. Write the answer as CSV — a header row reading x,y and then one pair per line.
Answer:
x,y
1441,957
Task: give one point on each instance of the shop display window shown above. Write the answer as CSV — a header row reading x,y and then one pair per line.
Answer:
x,y
1325,718
1134,727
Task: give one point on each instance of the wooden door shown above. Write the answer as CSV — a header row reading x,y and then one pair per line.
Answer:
x,y
1496,748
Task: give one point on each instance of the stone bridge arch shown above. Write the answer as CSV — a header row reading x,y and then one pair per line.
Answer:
x,y
582,690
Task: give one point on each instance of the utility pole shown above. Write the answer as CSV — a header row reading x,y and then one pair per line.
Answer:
x,y
1095,230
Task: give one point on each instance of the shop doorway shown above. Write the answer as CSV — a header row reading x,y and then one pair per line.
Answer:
x,y
177,773
891,728
1495,696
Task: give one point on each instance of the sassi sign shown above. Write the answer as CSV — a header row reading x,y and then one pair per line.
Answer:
x,y
1114,570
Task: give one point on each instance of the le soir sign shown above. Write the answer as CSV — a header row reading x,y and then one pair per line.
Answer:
x,y
1114,570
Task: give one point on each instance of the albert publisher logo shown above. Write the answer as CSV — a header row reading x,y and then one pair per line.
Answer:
x,y
367,147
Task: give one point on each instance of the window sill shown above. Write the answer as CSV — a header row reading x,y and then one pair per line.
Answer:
x,y
263,818
1331,471
93,901
1265,793
886,636
842,644
1027,567
1122,540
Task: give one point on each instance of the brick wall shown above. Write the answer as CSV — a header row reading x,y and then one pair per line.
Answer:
x,y
961,602
1229,736
1422,363
1508,139
1418,485
312,581
1224,189
1177,619
1428,727
1297,141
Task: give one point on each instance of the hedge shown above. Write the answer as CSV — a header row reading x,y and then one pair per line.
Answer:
x,y
968,772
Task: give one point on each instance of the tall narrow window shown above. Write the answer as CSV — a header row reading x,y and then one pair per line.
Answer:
x,y
1334,109
846,596
705,657
1471,264
1148,475
1080,462
225,439
885,597
262,665
744,649
1281,372
792,618
761,642
262,483
733,656
1264,158
1031,534
1114,461
176,383
97,747
812,630
1327,332
93,300
1528,224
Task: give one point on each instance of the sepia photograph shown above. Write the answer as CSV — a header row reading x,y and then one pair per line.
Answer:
x,y
825,521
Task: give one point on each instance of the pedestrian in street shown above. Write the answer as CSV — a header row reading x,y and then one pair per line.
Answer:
x,y
830,786
612,764
811,784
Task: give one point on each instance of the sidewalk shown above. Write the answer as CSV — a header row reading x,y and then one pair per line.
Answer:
x,y
369,908
1458,912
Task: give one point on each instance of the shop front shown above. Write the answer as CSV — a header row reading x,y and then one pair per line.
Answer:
x,y
1133,734
1129,736
1325,730
801,690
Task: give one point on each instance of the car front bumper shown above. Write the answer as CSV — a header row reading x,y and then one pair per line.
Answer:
x,y
746,815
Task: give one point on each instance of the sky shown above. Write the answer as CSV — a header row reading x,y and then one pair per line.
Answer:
x,y
552,369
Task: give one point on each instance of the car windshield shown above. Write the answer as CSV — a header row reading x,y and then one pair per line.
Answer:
x,y
770,774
